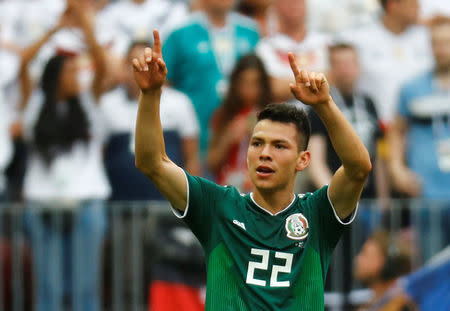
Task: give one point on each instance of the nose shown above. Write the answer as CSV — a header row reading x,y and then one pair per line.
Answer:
x,y
265,153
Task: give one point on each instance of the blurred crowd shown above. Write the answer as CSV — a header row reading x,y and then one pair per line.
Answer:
x,y
68,105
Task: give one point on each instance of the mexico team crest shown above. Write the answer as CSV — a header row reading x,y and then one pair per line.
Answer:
x,y
297,227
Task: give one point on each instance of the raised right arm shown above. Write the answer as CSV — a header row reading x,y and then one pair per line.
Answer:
x,y
151,159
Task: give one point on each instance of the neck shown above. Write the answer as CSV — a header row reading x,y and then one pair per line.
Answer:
x,y
380,288
274,201
294,30
393,24
217,18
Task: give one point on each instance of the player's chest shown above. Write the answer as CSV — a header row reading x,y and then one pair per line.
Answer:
x,y
290,231
268,250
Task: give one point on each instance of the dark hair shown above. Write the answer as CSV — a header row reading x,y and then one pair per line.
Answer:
x,y
56,132
384,4
340,46
233,103
289,113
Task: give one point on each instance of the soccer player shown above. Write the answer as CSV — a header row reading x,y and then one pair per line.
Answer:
x,y
270,249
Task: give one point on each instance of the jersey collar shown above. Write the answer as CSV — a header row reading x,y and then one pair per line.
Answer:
x,y
266,211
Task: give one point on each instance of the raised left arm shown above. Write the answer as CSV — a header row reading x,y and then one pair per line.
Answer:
x,y
348,181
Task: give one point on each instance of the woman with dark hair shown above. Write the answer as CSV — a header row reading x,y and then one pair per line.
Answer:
x,y
249,92
65,183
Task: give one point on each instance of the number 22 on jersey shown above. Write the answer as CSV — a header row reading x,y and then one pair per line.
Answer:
x,y
263,264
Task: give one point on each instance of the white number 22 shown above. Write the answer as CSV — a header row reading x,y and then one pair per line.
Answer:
x,y
264,265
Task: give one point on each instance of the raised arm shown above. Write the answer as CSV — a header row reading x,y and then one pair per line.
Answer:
x,y
85,17
151,159
28,53
348,181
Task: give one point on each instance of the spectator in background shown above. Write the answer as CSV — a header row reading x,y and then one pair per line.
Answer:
x,y
309,47
147,15
420,140
262,12
392,49
65,182
359,110
422,123
180,127
201,54
379,264
233,122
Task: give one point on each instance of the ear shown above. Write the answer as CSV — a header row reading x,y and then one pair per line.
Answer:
x,y
303,159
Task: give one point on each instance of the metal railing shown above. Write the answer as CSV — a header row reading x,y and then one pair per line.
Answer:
x,y
132,244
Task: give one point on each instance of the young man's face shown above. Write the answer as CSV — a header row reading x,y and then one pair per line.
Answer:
x,y
369,263
273,155
344,69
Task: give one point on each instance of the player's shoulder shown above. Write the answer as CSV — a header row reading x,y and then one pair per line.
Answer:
x,y
317,196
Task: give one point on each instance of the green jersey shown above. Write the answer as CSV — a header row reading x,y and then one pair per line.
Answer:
x,y
259,261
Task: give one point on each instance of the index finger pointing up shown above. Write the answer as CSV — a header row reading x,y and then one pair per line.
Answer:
x,y
156,42
294,66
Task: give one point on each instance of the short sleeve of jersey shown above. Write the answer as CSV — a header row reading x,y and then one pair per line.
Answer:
x,y
330,226
203,197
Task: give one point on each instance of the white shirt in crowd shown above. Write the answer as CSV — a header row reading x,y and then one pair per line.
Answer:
x,y
79,173
312,53
388,61
430,8
30,19
176,113
336,15
137,20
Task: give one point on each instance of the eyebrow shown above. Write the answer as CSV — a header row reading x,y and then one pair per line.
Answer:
x,y
276,141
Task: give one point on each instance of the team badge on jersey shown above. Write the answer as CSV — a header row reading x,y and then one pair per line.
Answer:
x,y
297,227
